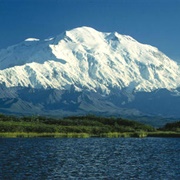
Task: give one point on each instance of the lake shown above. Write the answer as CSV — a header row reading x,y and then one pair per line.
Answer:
x,y
91,158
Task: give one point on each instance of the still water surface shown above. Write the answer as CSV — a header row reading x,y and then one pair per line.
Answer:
x,y
91,158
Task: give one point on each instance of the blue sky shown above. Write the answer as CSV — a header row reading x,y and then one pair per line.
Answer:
x,y
154,22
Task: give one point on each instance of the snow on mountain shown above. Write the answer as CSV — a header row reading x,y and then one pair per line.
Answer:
x,y
31,39
88,59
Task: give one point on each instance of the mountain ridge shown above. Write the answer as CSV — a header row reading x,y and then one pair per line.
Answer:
x,y
94,52
83,70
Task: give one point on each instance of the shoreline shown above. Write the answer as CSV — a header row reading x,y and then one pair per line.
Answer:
x,y
81,127
157,134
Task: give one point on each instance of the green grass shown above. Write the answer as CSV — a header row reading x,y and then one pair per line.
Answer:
x,y
34,134
164,134
81,127
86,135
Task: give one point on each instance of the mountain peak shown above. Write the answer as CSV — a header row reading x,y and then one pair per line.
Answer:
x,y
86,58
32,39
86,71
83,29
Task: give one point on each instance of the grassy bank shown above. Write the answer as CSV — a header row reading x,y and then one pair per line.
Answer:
x,y
85,135
34,134
81,127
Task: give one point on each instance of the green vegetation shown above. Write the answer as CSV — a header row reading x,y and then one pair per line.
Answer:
x,y
175,126
82,126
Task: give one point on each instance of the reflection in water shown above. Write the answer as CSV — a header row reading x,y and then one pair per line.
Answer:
x,y
92,158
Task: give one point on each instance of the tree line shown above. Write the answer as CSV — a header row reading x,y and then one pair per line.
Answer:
x,y
89,124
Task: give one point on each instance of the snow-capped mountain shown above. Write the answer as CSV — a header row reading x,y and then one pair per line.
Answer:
x,y
87,58
95,67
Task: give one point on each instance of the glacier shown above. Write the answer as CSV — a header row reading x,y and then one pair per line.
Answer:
x,y
88,63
